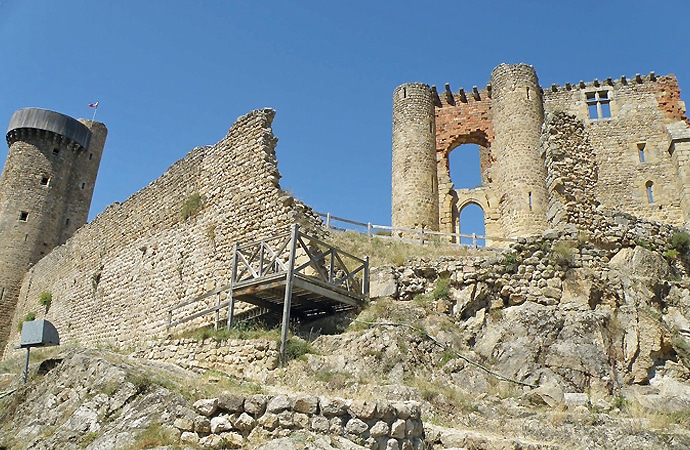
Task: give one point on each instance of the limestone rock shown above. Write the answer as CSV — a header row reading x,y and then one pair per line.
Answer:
x,y
230,402
206,406
382,282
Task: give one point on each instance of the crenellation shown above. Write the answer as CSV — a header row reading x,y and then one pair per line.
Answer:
x,y
625,133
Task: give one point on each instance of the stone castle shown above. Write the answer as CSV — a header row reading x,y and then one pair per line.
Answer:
x,y
547,155
113,279
562,155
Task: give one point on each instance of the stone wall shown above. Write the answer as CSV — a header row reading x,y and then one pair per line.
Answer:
x,y
247,359
380,425
638,147
572,171
112,282
632,145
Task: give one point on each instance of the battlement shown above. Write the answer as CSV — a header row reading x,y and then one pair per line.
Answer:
x,y
448,98
625,126
611,82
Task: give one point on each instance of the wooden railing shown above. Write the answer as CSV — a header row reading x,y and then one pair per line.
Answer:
x,y
313,258
281,258
421,236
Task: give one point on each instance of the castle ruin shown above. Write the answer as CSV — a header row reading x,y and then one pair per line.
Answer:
x,y
547,156
563,155
112,281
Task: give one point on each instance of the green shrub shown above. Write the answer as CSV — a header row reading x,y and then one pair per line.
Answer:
x,y
297,348
192,205
644,244
680,241
672,254
441,289
28,318
45,299
510,262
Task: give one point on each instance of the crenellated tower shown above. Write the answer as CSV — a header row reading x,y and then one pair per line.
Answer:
x,y
45,192
415,183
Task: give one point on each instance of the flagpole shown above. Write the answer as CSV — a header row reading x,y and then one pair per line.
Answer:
x,y
95,110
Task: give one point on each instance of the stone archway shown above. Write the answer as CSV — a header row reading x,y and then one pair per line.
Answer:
x,y
470,221
448,197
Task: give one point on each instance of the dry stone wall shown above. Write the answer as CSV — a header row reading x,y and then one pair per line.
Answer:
x,y
379,425
247,359
112,282
572,171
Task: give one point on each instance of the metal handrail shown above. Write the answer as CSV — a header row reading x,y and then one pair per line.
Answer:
x,y
419,232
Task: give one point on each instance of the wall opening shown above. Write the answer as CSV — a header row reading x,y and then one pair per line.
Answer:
x,y
650,194
598,104
465,173
640,151
465,170
471,220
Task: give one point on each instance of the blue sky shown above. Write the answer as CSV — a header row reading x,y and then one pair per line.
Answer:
x,y
171,75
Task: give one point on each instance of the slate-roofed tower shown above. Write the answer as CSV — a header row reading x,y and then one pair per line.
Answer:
x,y
45,192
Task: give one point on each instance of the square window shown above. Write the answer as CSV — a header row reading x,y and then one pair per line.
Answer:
x,y
598,104
45,181
56,151
23,216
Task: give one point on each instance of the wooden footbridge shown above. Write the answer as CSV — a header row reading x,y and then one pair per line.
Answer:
x,y
292,275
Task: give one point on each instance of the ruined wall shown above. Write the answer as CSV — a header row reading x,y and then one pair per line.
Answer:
x,y
464,118
114,279
632,144
634,133
572,171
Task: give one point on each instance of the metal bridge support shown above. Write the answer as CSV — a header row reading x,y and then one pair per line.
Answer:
x,y
289,281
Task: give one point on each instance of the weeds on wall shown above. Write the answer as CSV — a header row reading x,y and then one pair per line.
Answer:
x,y
510,262
192,205
46,299
563,253
680,241
297,348
240,330
28,318
382,251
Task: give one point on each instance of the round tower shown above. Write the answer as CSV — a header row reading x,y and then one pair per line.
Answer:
x,y
45,192
519,171
415,186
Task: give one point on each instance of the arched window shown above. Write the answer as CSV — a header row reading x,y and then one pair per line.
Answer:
x,y
471,221
650,194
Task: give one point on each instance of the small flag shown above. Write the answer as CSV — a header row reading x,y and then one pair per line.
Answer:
x,y
93,105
